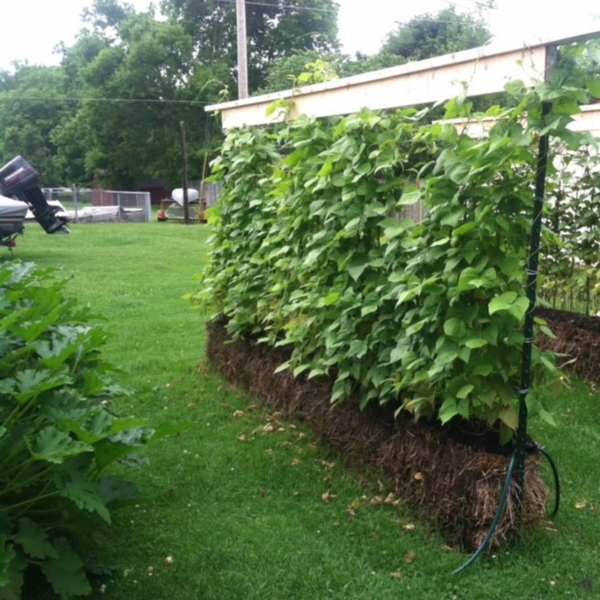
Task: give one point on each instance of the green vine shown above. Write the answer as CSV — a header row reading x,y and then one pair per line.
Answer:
x,y
390,251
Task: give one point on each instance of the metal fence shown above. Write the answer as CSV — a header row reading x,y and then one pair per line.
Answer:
x,y
84,205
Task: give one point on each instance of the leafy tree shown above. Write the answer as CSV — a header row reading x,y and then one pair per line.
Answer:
x,y
275,30
31,105
283,74
430,35
139,83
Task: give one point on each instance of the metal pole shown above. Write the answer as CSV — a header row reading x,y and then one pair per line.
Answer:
x,y
242,50
186,205
532,273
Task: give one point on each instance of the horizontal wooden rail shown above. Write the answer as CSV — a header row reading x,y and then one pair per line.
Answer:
x,y
483,70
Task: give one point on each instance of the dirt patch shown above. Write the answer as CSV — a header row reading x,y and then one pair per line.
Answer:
x,y
577,337
451,481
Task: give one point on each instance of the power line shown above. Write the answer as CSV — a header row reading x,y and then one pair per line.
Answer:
x,y
283,5
122,100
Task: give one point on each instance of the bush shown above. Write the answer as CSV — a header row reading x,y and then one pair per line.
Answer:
x,y
57,434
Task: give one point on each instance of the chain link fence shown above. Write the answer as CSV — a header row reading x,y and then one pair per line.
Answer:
x,y
87,206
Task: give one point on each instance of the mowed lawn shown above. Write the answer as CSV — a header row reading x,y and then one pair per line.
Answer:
x,y
241,510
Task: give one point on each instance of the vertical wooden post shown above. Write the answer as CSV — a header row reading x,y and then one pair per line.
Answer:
x,y
186,205
242,51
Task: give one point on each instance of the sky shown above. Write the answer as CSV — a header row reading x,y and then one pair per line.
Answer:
x,y
37,26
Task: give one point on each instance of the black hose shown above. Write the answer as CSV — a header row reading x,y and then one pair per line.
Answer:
x,y
530,447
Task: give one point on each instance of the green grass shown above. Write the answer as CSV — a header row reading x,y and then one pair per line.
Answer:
x,y
245,519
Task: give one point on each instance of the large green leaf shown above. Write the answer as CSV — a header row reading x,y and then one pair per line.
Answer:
x,y
83,492
11,590
34,540
7,554
510,302
65,572
56,446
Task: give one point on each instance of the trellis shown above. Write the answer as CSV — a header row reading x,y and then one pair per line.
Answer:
x,y
477,72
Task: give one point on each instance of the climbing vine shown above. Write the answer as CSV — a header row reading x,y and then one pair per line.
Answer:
x,y
390,251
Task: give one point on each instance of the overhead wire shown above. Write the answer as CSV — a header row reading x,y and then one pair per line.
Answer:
x,y
123,100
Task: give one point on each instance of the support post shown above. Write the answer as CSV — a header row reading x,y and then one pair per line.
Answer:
x,y
242,49
186,204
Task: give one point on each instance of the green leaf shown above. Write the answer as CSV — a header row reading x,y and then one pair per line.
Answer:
x,y
464,229
65,573
55,446
7,554
448,410
455,328
476,342
502,302
593,86
31,383
114,491
565,106
465,390
82,491
410,197
547,417
11,590
329,300
34,540
357,266
509,417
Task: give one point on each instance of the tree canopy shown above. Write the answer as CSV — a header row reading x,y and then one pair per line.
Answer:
x,y
112,109
430,35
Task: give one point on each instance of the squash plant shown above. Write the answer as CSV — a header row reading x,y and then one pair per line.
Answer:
x,y
389,251
57,434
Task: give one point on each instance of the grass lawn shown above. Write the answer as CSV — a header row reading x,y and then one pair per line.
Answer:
x,y
247,510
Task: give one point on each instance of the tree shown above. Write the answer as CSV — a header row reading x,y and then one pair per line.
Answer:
x,y
32,104
138,88
286,73
430,35
275,30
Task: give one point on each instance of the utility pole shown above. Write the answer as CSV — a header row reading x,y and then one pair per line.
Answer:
x,y
184,164
242,52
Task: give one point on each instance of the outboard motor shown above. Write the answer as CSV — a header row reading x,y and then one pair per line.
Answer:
x,y
18,179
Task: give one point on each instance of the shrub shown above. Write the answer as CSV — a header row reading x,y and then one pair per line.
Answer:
x,y
57,434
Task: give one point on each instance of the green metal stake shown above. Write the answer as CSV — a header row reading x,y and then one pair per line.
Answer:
x,y
532,273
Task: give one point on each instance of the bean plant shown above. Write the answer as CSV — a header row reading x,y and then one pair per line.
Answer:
x,y
389,252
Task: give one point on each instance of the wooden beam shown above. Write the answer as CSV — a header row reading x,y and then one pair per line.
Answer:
x,y
587,120
484,70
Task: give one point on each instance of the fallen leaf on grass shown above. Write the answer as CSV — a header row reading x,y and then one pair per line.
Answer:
x,y
238,414
409,526
295,462
390,499
396,575
409,557
328,497
581,505
192,405
242,438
